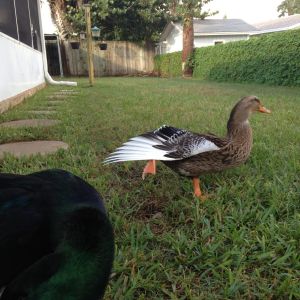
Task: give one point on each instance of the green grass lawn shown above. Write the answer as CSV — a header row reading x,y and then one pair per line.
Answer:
x,y
242,243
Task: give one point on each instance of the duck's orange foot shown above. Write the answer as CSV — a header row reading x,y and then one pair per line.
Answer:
x,y
201,197
150,168
197,190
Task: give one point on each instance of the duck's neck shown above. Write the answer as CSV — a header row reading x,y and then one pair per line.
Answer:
x,y
238,126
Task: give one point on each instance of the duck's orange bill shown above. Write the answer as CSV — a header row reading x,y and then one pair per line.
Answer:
x,y
262,109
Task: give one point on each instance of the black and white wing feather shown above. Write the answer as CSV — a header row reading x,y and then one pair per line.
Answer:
x,y
164,143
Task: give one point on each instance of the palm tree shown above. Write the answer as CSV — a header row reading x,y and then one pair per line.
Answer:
x,y
58,8
187,10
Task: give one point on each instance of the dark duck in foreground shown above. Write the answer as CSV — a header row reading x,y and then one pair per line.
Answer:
x,y
192,154
56,241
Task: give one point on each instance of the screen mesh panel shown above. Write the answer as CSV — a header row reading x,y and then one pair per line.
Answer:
x,y
19,19
8,23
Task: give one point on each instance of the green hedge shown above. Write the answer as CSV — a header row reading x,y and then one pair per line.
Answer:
x,y
271,58
168,65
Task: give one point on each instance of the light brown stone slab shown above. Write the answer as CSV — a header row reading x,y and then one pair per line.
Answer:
x,y
31,148
42,112
65,94
46,107
57,97
69,92
30,123
55,102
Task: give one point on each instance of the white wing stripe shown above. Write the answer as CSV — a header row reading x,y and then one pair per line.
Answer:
x,y
141,148
143,140
203,146
134,157
138,148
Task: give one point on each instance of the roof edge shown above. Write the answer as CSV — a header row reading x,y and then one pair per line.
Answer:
x,y
225,33
166,31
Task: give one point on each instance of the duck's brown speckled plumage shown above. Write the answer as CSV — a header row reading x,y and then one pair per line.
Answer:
x,y
191,154
234,150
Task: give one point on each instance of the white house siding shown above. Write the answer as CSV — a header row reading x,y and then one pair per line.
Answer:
x,y
174,41
21,67
204,41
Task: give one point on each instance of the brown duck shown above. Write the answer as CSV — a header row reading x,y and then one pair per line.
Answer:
x,y
193,154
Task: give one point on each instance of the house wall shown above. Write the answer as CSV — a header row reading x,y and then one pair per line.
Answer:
x,y
204,41
21,68
173,42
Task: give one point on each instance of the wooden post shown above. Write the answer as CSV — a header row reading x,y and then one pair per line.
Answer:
x,y
89,43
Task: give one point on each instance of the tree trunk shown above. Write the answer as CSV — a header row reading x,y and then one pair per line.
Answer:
x,y
188,44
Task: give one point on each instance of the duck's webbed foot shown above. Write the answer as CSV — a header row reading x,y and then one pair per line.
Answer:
x,y
150,168
197,190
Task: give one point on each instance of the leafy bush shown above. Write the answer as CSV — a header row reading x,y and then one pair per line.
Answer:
x,y
271,58
168,65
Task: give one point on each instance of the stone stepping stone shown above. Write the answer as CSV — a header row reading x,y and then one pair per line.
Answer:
x,y
65,94
46,108
55,102
68,92
32,148
42,112
30,123
57,97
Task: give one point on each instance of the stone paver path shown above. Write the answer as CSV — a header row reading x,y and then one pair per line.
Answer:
x,y
42,112
30,123
46,107
55,102
66,92
20,149
31,148
57,97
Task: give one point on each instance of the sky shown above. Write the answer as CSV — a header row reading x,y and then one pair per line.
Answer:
x,y
251,11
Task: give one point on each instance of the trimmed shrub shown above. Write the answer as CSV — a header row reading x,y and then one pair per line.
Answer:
x,y
168,65
271,58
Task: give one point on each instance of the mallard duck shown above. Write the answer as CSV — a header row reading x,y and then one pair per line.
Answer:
x,y
192,154
56,241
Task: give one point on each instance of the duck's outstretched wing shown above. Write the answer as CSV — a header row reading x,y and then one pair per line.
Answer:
x,y
165,143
